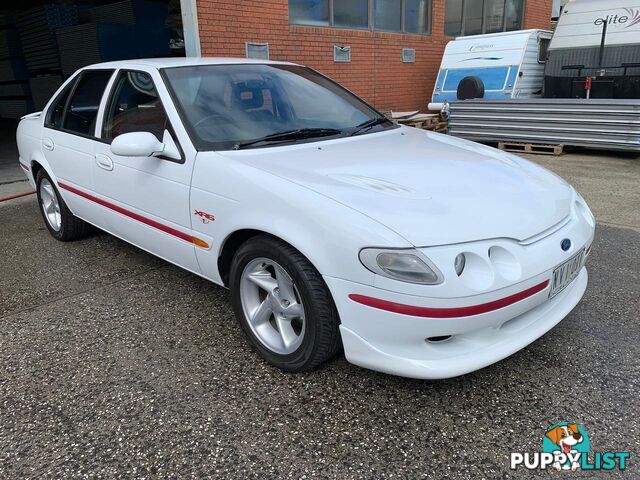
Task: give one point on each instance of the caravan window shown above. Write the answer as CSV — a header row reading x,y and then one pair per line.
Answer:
x,y
543,49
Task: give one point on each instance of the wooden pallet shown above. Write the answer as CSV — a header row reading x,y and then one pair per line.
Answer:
x,y
537,148
436,122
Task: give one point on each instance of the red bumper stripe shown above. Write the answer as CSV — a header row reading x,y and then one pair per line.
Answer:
x,y
24,167
147,221
415,311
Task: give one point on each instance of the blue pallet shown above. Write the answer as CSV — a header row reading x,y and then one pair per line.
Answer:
x,y
149,13
10,44
89,43
13,69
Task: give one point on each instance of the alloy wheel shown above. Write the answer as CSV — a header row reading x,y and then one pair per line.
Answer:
x,y
272,306
50,205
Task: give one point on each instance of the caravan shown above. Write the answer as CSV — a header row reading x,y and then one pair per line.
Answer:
x,y
595,51
494,66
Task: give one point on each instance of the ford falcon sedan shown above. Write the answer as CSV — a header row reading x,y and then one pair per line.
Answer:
x,y
419,254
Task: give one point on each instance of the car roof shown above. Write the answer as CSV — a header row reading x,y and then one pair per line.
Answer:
x,y
183,62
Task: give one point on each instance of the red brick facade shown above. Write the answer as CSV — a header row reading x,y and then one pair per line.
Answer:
x,y
376,71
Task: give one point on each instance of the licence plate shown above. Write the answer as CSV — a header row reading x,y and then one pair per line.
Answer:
x,y
566,273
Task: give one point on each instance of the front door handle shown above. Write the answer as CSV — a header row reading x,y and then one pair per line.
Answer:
x,y
104,162
47,143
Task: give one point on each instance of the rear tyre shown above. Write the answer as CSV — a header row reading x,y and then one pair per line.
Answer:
x,y
60,222
470,88
283,305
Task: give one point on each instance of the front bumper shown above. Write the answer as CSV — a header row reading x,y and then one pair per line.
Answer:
x,y
397,344
498,304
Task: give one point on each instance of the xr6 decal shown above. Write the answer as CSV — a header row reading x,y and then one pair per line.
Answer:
x,y
204,216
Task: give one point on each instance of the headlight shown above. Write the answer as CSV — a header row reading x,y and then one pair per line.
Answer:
x,y
406,265
584,209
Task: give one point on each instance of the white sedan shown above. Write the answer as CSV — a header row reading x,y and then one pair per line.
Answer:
x,y
420,254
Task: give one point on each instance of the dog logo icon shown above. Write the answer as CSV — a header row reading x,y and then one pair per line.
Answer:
x,y
569,439
566,447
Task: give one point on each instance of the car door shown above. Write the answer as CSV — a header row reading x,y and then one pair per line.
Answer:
x,y
68,139
145,199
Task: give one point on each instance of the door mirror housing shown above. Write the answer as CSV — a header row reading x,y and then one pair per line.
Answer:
x,y
145,144
137,144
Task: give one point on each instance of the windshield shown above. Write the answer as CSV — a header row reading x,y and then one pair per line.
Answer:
x,y
236,106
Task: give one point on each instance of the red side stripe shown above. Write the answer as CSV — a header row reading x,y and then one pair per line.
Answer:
x,y
16,195
24,167
447,312
147,221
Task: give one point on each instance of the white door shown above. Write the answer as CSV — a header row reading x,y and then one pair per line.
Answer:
x,y
145,199
68,140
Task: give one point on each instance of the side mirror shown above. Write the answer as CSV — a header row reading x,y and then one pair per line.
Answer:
x,y
136,144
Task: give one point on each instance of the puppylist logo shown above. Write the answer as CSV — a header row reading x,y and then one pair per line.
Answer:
x,y
566,446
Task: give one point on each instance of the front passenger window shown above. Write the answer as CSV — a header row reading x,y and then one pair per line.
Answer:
x,y
134,107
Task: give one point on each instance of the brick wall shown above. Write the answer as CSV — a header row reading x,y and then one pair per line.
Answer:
x,y
376,71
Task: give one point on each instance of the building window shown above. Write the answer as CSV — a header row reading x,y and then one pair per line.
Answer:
x,y
417,17
473,17
387,15
309,12
514,12
401,16
351,13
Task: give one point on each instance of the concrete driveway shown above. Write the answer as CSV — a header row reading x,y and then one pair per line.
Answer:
x,y
116,364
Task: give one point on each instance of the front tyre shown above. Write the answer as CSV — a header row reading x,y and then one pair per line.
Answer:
x,y
283,305
60,222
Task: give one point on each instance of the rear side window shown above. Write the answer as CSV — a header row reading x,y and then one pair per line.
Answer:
x,y
134,107
81,113
56,110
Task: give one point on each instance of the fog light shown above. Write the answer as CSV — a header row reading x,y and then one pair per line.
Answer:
x,y
458,264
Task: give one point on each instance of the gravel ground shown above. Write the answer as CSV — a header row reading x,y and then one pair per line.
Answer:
x,y
115,364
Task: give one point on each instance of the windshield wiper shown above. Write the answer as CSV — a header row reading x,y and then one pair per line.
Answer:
x,y
297,134
369,124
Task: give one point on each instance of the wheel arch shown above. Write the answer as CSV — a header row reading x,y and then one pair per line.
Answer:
x,y
35,167
37,163
235,240
230,246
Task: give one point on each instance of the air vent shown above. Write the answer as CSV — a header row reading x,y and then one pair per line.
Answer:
x,y
408,55
341,54
258,51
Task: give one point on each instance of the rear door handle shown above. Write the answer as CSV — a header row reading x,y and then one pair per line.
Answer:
x,y
104,162
47,143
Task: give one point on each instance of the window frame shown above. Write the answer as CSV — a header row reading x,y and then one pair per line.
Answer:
x,y
371,20
66,89
169,128
76,81
484,16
